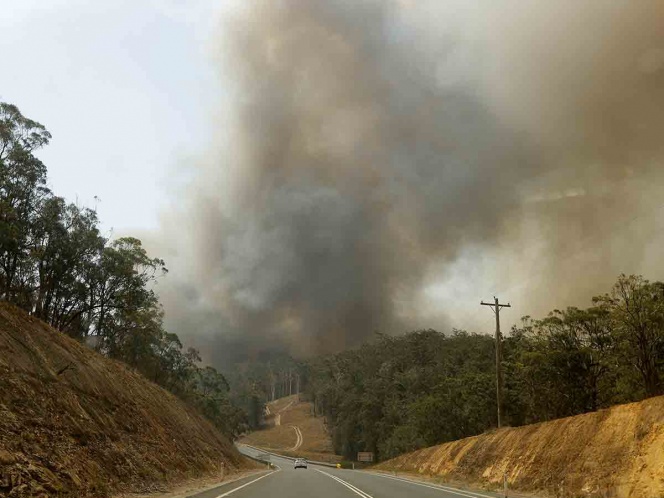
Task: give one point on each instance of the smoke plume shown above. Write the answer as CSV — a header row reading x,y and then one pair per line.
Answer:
x,y
383,165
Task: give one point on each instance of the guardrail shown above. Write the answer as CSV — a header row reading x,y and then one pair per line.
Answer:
x,y
292,459
256,458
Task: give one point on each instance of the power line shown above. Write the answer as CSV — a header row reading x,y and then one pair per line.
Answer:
x,y
496,306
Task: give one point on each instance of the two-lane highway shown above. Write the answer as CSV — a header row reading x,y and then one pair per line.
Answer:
x,y
325,482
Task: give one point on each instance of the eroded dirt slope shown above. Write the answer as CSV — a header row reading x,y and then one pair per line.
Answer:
x,y
73,423
618,452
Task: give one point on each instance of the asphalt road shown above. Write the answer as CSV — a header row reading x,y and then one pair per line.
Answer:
x,y
325,482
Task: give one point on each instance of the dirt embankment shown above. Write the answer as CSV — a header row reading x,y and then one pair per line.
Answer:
x,y
294,431
73,423
618,452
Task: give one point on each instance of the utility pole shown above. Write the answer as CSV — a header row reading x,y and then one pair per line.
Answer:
x,y
495,306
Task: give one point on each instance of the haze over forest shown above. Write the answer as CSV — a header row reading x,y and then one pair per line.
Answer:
x,y
317,171
383,166
269,228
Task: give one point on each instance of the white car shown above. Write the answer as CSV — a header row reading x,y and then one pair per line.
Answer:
x,y
300,463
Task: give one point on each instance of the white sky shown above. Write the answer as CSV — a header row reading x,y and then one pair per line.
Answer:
x,y
126,87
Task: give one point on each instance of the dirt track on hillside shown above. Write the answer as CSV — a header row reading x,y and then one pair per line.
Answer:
x,y
298,432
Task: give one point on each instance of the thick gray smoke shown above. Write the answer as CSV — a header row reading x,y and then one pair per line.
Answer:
x,y
383,165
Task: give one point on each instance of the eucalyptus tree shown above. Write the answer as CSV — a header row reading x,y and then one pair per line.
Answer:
x,y
22,191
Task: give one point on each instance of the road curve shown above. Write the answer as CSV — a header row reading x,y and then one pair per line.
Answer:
x,y
325,482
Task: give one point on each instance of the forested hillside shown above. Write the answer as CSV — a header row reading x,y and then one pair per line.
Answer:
x,y
254,383
402,393
57,265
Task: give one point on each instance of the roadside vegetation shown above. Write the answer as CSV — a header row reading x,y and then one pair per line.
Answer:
x,y
57,265
390,396
615,452
403,393
269,377
398,394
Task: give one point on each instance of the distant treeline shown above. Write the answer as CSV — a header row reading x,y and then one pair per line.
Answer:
x,y
402,393
56,264
269,376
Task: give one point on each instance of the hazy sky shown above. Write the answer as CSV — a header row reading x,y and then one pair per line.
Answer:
x,y
125,87
128,89
258,115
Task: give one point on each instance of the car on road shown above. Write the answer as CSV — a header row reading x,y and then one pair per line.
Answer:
x,y
300,463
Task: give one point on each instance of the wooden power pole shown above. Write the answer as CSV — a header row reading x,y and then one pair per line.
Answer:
x,y
495,306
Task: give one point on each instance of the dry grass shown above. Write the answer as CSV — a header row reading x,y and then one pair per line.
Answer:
x,y
617,452
316,444
281,437
73,423
314,433
281,403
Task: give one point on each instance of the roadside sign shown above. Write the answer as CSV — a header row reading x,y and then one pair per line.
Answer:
x,y
365,456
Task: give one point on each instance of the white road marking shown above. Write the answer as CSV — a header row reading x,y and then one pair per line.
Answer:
x,y
247,484
469,494
347,484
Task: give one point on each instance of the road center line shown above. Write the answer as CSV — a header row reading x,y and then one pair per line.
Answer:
x,y
469,494
347,484
246,484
